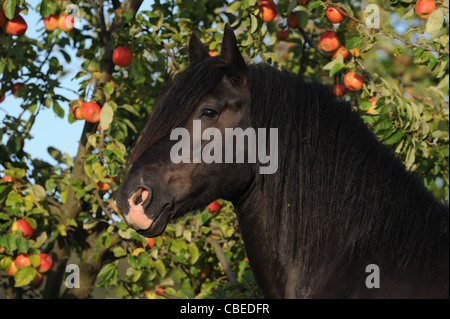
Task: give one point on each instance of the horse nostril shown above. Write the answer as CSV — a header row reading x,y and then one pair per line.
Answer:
x,y
141,197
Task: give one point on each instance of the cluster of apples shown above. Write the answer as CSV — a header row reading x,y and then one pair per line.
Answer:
x,y
16,26
41,264
90,111
64,22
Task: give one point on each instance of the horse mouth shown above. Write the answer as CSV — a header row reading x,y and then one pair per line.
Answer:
x,y
159,222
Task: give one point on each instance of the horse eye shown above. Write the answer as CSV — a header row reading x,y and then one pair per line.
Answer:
x,y
209,113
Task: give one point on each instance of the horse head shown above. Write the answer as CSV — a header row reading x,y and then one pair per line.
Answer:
x,y
210,96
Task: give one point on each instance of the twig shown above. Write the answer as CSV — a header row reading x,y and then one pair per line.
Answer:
x,y
312,43
426,48
174,61
223,260
103,207
367,74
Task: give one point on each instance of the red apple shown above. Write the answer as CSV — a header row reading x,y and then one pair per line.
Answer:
x,y
46,263
16,26
339,90
15,87
333,15
328,41
150,242
122,56
268,10
8,179
160,290
214,207
90,112
342,50
292,20
37,281
282,35
12,269
24,226
22,260
51,22
103,187
424,8
353,81
65,22
372,108
76,109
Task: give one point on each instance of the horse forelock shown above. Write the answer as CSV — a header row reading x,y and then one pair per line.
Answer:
x,y
177,102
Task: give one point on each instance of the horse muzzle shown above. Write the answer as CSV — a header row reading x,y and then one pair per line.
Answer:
x,y
138,202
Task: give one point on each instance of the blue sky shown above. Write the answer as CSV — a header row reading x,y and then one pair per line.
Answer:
x,y
50,130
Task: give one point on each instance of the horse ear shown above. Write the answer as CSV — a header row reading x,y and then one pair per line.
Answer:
x,y
230,56
197,50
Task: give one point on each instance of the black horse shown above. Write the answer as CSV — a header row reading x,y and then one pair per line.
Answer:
x,y
340,218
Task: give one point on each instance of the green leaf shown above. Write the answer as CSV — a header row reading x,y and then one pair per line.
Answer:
x,y
233,7
354,41
314,4
37,192
130,109
130,125
47,7
39,241
434,22
106,116
394,138
22,245
410,158
303,18
35,260
292,6
335,66
108,274
9,6
194,253
254,23
5,263
58,109
119,252
432,60
24,276
160,268
109,88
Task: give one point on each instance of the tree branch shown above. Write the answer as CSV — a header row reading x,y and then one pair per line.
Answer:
x,y
222,259
72,207
310,41
174,61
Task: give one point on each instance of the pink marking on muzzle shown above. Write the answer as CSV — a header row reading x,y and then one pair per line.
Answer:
x,y
136,216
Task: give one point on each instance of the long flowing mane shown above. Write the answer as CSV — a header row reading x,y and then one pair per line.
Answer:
x,y
335,174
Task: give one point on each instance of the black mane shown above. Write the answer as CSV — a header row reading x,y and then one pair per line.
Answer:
x,y
333,172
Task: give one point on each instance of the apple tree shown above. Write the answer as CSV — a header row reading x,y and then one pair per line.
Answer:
x,y
389,58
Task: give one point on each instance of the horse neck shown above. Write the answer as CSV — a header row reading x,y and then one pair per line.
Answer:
x,y
355,203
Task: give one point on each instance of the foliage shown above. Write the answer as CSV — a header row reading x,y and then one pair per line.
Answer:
x,y
404,62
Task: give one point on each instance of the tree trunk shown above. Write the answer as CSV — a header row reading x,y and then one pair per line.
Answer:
x,y
89,267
